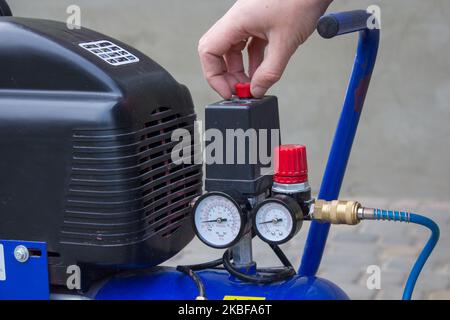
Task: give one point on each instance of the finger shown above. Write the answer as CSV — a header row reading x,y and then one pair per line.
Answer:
x,y
255,49
272,67
212,47
235,62
232,80
214,69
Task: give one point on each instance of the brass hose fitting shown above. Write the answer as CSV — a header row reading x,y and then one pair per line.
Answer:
x,y
336,211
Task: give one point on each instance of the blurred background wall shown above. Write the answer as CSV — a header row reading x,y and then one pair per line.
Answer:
x,y
403,145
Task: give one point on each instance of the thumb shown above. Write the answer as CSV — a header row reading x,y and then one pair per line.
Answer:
x,y
272,67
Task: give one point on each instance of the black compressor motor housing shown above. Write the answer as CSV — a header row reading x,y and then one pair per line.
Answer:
x,y
86,127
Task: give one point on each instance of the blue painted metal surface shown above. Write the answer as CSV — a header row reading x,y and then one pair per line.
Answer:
x,y
342,144
27,280
166,283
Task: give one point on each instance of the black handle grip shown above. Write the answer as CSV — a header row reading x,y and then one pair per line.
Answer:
x,y
335,24
5,10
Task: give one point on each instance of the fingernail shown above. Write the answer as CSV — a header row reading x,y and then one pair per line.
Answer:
x,y
258,92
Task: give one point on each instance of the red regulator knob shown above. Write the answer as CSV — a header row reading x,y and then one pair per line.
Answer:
x,y
290,165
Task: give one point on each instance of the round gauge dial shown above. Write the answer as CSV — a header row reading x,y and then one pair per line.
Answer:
x,y
277,220
218,220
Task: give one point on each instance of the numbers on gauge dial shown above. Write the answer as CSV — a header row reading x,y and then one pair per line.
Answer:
x,y
218,221
274,222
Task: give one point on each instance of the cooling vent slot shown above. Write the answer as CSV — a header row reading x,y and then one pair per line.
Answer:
x,y
124,186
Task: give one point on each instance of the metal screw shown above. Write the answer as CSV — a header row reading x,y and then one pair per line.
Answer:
x,y
21,253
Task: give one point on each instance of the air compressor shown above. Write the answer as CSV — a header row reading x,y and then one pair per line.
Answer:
x,y
89,185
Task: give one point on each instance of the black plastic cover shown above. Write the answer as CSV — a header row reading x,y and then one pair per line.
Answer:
x,y
86,151
250,116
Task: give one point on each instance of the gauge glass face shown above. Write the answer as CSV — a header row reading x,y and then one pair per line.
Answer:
x,y
217,220
274,222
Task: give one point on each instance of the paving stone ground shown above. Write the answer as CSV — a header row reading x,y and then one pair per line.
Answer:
x,y
391,246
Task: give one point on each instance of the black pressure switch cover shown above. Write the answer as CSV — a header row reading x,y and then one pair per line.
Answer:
x,y
240,137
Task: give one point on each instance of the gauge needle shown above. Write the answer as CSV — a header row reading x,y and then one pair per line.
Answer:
x,y
272,221
218,220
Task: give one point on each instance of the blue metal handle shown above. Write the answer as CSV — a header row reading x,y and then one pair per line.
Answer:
x,y
346,128
335,24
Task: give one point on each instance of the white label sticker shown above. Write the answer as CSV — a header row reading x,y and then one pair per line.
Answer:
x,y
2,264
110,52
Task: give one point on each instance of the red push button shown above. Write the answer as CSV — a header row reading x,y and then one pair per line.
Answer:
x,y
243,90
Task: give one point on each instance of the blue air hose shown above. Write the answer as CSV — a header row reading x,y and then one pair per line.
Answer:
x,y
426,251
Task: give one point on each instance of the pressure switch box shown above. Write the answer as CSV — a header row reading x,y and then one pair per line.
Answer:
x,y
241,135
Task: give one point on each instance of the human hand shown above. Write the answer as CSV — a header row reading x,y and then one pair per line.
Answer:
x,y
281,26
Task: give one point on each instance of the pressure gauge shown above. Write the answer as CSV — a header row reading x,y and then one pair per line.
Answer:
x,y
219,220
277,219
